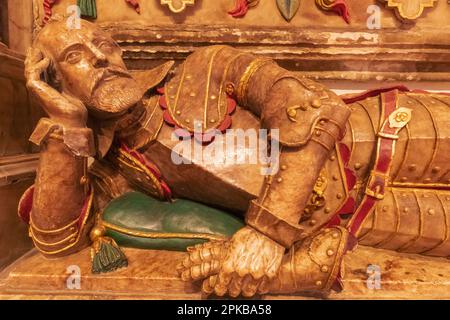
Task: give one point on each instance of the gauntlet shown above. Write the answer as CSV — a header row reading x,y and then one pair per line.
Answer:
x,y
314,264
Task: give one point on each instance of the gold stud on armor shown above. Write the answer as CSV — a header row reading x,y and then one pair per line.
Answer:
x,y
292,113
436,169
316,103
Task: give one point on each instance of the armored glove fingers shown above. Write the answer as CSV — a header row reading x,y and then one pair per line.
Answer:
x,y
204,260
244,265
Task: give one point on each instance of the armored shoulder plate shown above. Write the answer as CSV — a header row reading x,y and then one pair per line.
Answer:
x,y
196,99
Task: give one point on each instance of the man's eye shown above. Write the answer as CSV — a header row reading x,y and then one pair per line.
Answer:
x,y
73,57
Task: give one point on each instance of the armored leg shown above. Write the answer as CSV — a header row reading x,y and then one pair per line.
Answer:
x,y
410,220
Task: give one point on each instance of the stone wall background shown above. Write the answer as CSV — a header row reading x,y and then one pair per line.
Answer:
x,y
18,116
316,42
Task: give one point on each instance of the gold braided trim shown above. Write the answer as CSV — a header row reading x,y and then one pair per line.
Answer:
x,y
245,79
33,226
70,236
162,235
136,165
88,210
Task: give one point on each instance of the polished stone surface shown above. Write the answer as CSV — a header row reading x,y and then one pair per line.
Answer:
x,y
152,275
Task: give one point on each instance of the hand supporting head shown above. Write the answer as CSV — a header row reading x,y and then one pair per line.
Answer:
x,y
87,64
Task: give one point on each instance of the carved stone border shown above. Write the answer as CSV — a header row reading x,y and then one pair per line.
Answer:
x,y
384,55
321,54
20,167
11,64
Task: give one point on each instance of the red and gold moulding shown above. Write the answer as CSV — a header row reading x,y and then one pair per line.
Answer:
x,y
48,4
134,4
241,8
409,10
177,6
338,6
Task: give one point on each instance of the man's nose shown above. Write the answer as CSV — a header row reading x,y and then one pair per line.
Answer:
x,y
99,59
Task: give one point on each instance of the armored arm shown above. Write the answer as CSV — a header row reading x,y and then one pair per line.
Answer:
x,y
309,118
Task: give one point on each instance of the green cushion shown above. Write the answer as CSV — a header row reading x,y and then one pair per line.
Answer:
x,y
140,213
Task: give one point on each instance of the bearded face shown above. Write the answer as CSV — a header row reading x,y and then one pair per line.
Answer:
x,y
90,67
114,92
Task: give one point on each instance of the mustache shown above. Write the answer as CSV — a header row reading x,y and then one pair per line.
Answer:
x,y
107,73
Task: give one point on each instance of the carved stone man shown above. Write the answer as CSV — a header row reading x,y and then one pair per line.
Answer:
x,y
375,167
